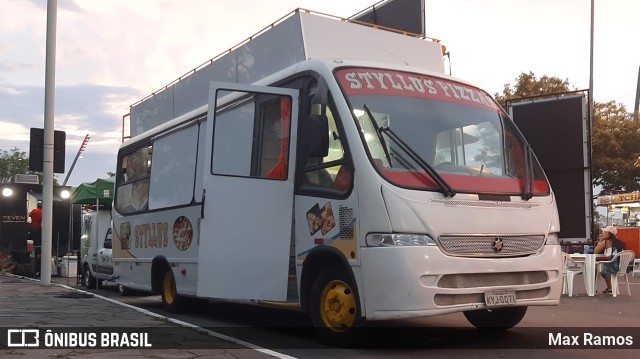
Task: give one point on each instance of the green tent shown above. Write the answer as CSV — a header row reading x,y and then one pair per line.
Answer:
x,y
100,190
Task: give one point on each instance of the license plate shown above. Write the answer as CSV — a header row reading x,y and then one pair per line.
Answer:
x,y
500,297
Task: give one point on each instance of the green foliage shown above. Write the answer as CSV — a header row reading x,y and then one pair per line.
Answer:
x,y
616,147
528,85
15,161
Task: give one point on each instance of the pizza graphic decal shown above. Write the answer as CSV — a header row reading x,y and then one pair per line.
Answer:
x,y
182,233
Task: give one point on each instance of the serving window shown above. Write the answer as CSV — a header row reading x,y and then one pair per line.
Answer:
x,y
251,137
132,192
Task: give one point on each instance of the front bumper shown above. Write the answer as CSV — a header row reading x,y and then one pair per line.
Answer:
x,y
407,282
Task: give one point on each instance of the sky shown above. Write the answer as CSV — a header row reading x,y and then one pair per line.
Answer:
x,y
112,53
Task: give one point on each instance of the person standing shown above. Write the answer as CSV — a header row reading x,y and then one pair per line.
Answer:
x,y
36,224
36,235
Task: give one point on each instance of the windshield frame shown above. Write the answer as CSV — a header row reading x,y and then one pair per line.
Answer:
x,y
388,82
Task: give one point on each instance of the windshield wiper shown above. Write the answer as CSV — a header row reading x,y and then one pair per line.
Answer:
x,y
527,193
446,189
376,127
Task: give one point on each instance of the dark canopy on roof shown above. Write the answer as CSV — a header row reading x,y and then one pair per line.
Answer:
x,y
100,189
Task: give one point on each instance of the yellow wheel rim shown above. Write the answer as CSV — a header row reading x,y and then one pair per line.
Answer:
x,y
338,306
169,287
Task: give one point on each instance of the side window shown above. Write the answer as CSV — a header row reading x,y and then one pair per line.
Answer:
x,y
108,239
251,137
174,168
132,193
331,172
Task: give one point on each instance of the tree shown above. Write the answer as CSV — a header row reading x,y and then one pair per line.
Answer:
x,y
615,148
12,162
528,85
15,162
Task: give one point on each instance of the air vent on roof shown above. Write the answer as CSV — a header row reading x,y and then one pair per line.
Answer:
x,y
31,179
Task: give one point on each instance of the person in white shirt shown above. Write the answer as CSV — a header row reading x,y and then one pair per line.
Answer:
x,y
609,245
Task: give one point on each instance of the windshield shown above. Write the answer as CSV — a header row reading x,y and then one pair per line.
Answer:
x,y
454,128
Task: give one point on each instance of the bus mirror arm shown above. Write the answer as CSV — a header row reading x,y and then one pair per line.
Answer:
x,y
528,174
204,197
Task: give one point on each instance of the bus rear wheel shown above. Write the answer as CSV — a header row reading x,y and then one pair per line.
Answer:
x,y
496,319
89,281
171,301
334,307
124,291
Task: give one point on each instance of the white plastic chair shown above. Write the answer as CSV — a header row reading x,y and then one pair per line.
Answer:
x,y
568,272
636,267
625,258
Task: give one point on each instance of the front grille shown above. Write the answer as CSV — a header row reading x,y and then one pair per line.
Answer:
x,y
475,280
445,300
486,204
484,245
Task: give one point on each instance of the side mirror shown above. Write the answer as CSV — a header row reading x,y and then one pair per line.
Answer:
x,y
317,135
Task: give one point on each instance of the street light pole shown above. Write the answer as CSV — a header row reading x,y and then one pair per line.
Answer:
x,y
591,111
82,147
47,164
591,69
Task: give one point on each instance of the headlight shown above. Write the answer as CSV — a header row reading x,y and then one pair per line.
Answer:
x,y
552,239
398,239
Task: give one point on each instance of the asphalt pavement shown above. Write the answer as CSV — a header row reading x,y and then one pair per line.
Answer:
x,y
60,321
64,321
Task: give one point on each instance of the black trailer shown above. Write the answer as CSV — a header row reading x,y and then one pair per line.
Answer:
x,y
557,127
16,202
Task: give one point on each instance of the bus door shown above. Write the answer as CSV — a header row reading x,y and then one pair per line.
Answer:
x,y
248,192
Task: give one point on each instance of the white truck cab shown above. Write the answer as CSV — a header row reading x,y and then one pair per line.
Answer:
x,y
96,261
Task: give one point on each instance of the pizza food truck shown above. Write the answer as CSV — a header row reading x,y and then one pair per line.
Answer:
x,y
334,168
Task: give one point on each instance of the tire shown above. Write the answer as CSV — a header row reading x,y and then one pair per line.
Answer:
x,y
124,291
334,308
171,301
497,319
88,281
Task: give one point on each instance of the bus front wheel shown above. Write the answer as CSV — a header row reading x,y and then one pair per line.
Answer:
x,y
497,318
171,301
334,308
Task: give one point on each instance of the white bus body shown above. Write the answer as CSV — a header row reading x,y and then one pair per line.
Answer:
x,y
349,189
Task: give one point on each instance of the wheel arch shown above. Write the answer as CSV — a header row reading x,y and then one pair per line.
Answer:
x,y
315,262
86,264
159,266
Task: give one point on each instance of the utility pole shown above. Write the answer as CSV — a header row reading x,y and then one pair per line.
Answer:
x,y
636,111
591,110
47,164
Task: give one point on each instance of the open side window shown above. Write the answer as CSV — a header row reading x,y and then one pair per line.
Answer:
x,y
326,172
